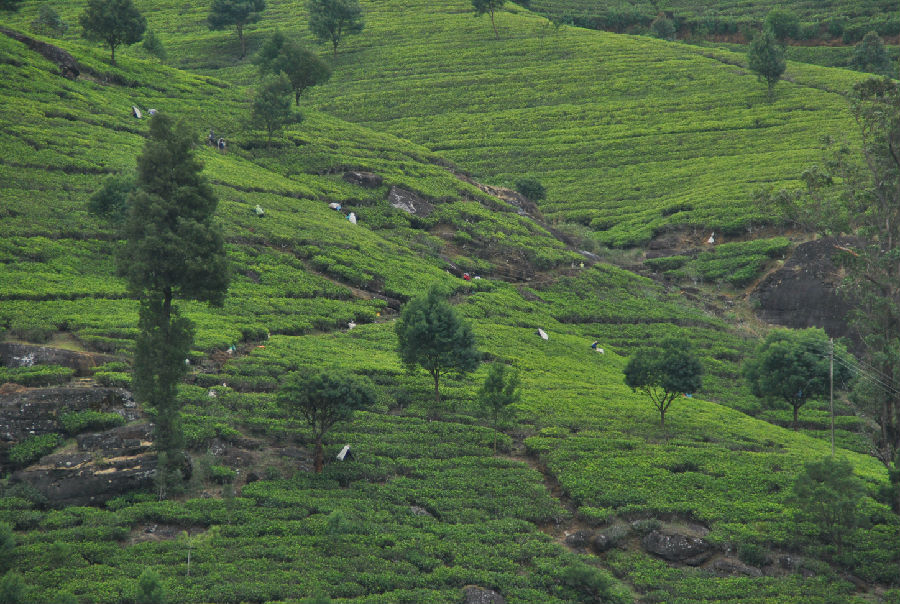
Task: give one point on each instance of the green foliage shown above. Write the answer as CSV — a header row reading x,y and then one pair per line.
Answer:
x,y
828,494
81,421
33,448
783,23
664,372
12,588
272,104
113,22
154,46
753,554
49,22
490,7
239,13
173,248
870,55
766,58
431,334
590,584
794,366
323,399
150,589
36,375
111,199
303,67
532,189
663,28
9,5
498,393
331,20
317,597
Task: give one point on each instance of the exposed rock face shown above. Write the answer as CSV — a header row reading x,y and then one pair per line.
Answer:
x,y
409,202
730,567
26,355
803,293
579,539
68,66
106,465
678,548
472,594
368,180
35,412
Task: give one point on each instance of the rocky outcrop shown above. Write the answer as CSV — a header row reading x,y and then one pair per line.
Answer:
x,y
803,293
472,594
68,66
676,547
730,567
38,411
409,202
369,180
26,355
107,464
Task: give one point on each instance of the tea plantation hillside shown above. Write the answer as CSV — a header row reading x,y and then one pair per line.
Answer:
x,y
583,481
630,135
828,20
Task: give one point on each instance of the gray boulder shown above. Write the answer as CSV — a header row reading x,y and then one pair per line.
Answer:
x,y
677,547
369,180
409,202
472,594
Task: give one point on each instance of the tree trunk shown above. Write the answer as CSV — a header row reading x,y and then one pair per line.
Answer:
x,y
320,459
112,55
437,392
297,98
240,32
334,43
496,35
662,417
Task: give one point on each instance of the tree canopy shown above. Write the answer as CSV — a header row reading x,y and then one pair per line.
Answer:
x,y
239,13
114,22
871,55
782,23
324,398
662,373
331,20
827,493
499,390
303,67
766,58
432,335
272,104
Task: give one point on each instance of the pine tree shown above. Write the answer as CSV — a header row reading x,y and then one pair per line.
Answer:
x,y
172,249
766,58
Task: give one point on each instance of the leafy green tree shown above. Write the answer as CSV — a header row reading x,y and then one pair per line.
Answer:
x,y
490,7
782,23
49,22
154,46
870,55
303,67
324,398
239,13
766,58
828,494
111,199
172,249
331,20
663,373
793,366
150,589
113,22
431,334
499,391
12,588
663,28
873,195
531,188
272,104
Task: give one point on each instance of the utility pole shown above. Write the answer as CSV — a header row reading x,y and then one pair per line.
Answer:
x,y
831,390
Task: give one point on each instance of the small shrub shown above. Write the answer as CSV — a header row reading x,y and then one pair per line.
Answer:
x,y
531,189
646,525
81,421
33,448
595,516
154,46
752,554
222,474
12,588
113,379
663,28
